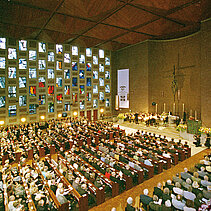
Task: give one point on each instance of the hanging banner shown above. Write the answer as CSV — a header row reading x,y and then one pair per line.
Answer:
x,y
123,88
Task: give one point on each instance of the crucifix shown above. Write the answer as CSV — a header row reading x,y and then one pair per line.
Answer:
x,y
174,83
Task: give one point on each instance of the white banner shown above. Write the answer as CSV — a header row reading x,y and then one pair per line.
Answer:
x,y
123,88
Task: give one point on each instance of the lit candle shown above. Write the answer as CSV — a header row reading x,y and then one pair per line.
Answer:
x,y
195,115
164,107
191,112
183,107
156,108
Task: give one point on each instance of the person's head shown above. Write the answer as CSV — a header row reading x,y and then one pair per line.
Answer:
x,y
179,197
159,185
202,168
177,175
166,191
177,184
155,198
185,170
188,181
146,191
113,209
169,182
206,178
61,191
41,202
130,200
195,184
12,198
168,203
195,174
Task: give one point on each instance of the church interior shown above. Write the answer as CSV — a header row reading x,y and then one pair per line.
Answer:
x,y
105,105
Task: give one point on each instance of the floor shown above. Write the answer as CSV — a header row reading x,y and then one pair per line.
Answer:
x,y
119,202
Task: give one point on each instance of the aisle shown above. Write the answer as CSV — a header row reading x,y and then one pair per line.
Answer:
x,y
120,200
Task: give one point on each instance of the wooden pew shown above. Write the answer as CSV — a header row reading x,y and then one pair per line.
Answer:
x,y
114,185
98,192
82,200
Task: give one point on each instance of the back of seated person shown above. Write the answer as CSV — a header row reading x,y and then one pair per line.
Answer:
x,y
155,204
185,174
205,182
167,206
177,179
145,199
157,190
129,206
189,206
166,195
186,184
178,203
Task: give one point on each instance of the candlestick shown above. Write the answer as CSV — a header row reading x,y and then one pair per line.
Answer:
x,y
183,107
174,108
156,108
164,107
195,115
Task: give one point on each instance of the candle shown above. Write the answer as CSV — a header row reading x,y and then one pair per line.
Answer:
x,y
183,107
164,107
191,112
174,106
156,108
195,115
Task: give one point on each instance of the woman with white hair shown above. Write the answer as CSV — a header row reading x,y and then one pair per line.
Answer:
x,y
129,205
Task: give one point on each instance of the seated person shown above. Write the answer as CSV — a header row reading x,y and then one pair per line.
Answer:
x,y
205,182
178,203
189,206
129,205
177,179
145,199
185,174
167,206
166,195
202,172
196,178
155,204
157,190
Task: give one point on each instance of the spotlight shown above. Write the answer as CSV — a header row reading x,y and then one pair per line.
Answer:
x,y
1,122
101,110
42,117
75,113
23,119
59,115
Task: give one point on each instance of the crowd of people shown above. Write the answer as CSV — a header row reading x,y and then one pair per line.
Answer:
x,y
188,191
90,156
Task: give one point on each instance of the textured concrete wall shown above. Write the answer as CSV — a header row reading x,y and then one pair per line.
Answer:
x,y
136,60
206,73
184,54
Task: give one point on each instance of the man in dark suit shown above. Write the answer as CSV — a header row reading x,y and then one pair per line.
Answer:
x,y
145,199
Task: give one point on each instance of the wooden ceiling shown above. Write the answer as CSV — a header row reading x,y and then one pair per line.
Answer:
x,y
109,24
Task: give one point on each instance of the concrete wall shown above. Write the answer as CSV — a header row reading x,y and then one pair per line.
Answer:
x,y
151,65
184,54
206,73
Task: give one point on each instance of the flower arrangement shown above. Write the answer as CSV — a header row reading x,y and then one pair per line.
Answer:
x,y
205,130
121,116
181,127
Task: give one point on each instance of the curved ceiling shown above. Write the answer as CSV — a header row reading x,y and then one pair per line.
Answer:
x,y
109,24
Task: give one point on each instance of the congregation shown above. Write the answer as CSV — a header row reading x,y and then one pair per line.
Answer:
x,y
76,164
